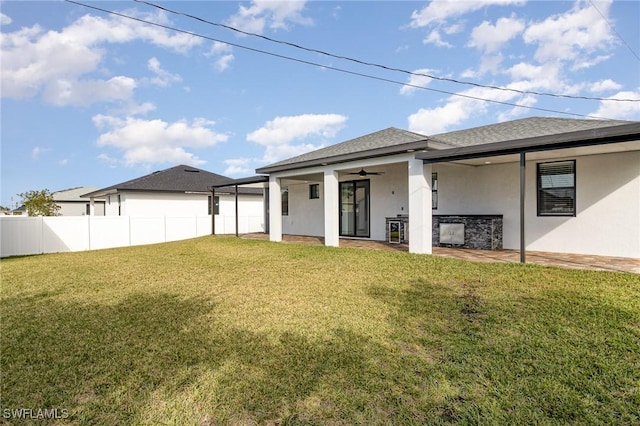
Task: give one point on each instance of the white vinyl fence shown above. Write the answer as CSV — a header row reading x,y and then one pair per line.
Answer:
x,y
36,235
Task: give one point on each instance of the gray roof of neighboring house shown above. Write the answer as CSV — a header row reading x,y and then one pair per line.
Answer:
x,y
175,179
521,129
384,142
73,194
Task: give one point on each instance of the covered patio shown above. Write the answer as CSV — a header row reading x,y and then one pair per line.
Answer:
x,y
561,260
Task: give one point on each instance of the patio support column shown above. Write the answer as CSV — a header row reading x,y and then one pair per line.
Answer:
x,y
213,211
331,209
420,239
92,206
275,209
523,169
237,210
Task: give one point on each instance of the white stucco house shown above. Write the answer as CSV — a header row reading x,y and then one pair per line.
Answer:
x,y
185,191
543,184
72,204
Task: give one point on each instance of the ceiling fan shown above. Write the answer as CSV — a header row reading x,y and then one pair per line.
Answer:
x,y
363,173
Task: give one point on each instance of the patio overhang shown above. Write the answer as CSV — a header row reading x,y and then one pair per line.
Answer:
x,y
584,138
423,145
616,138
253,181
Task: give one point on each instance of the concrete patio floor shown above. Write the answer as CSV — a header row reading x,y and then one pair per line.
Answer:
x,y
563,260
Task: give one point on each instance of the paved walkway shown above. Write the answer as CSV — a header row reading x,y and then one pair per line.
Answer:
x,y
573,261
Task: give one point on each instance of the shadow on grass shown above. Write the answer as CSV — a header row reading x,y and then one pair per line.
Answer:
x,y
521,359
454,356
159,358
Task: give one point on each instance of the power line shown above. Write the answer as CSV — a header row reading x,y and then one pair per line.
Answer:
x,y
167,27
385,67
615,31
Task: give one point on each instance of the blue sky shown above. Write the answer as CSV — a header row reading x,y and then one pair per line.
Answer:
x,y
91,98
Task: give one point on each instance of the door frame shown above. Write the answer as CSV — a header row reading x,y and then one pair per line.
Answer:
x,y
367,188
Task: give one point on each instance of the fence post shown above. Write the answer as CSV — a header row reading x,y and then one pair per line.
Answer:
x,y
41,234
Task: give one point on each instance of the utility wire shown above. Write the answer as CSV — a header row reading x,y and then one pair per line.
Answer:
x,y
615,31
328,66
385,67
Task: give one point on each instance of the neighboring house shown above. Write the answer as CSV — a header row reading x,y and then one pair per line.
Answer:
x,y
180,191
71,203
544,184
19,211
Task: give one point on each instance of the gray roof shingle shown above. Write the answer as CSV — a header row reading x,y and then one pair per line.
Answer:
x,y
72,194
520,129
387,138
175,179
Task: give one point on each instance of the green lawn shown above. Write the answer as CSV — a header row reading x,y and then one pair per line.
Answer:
x,y
220,330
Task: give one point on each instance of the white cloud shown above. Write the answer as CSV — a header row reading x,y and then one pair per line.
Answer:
x,y
490,38
55,62
620,110
278,134
417,80
604,86
223,62
586,62
4,19
572,35
156,141
237,166
84,92
441,10
515,112
162,77
224,57
527,76
431,121
109,161
37,151
63,162
454,29
434,38
220,47
274,14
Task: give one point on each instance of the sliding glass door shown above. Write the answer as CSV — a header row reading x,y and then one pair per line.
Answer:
x,y
354,208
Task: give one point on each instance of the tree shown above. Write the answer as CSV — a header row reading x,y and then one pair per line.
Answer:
x,y
39,203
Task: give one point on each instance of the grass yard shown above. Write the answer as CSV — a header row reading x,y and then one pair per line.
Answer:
x,y
219,330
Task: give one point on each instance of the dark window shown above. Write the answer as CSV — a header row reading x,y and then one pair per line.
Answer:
x,y
354,208
88,209
216,205
314,191
119,206
434,191
285,201
557,188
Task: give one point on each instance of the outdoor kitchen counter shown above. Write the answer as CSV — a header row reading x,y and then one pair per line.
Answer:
x,y
481,231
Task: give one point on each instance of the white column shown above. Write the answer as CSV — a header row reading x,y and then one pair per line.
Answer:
x,y
92,206
275,209
331,206
419,207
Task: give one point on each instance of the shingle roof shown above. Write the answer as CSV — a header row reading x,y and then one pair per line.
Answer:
x,y
73,194
175,179
520,129
392,140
